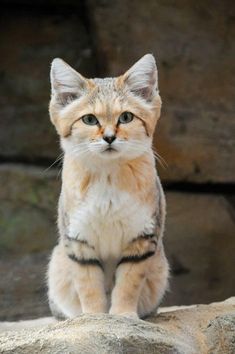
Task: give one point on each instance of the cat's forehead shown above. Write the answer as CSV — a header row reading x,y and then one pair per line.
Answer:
x,y
107,82
106,88
107,98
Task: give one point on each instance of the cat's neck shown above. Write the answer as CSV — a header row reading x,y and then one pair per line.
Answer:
x,y
104,167
136,177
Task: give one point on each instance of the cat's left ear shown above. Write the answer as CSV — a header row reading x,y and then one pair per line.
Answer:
x,y
142,78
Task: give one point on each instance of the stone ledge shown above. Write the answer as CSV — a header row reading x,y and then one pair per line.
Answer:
x,y
191,330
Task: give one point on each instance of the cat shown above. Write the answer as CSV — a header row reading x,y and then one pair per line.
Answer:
x,y
111,214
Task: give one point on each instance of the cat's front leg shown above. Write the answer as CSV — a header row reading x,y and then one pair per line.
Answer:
x,y
131,274
88,276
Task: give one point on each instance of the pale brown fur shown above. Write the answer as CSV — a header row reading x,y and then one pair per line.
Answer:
x,y
110,256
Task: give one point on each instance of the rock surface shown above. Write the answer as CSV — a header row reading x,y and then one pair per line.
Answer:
x,y
31,36
28,233
23,290
195,49
194,46
27,209
204,329
200,245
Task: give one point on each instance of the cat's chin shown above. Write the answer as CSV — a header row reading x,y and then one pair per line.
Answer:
x,y
114,155
110,153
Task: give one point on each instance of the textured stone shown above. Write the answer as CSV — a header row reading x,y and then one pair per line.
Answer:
x,y
30,37
23,286
200,245
28,202
187,331
195,49
28,209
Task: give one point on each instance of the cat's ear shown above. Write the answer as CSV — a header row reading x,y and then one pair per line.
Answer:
x,y
142,78
66,83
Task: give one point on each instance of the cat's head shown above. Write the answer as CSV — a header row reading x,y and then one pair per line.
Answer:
x,y
108,119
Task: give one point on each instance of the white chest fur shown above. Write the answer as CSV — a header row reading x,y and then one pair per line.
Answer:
x,y
109,218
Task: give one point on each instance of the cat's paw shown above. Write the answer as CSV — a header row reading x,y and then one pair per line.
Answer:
x,y
132,315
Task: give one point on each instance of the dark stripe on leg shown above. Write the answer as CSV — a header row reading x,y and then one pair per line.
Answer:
x,y
83,261
136,258
84,242
145,237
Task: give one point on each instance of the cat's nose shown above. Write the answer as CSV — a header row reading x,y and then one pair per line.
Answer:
x,y
109,139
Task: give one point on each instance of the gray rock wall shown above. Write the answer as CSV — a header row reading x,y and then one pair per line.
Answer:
x,y
195,50
194,46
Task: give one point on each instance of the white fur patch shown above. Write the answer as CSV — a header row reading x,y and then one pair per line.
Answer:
x,y
109,218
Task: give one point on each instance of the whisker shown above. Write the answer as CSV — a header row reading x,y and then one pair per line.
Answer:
x,y
138,146
59,172
58,159
160,159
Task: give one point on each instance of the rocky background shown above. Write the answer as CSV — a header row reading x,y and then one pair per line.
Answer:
x,y
195,50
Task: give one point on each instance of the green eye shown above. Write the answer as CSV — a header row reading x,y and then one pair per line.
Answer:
x,y
125,117
90,119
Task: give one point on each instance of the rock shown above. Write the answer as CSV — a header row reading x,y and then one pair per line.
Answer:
x,y
23,286
195,52
23,324
188,331
31,37
194,46
200,246
28,233
27,209
221,335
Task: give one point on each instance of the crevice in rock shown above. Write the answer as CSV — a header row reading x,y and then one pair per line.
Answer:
x,y
100,57
31,161
42,7
200,188
183,187
86,20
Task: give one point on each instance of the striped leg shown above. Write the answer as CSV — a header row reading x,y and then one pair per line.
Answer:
x,y
131,274
89,277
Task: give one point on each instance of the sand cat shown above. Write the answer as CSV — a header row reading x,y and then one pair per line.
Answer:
x,y
110,256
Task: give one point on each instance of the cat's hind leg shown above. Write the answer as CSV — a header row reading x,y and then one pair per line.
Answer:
x,y
155,284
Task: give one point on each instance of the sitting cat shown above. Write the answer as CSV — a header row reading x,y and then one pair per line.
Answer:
x,y
110,256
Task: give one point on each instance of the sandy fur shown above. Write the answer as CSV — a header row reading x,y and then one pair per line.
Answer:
x,y
111,215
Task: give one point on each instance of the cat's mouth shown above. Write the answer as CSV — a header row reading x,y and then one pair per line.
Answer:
x,y
110,149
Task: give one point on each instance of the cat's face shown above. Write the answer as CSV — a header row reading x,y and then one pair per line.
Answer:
x,y
105,119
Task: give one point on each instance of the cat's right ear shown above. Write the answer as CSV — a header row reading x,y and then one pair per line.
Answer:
x,y
66,83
